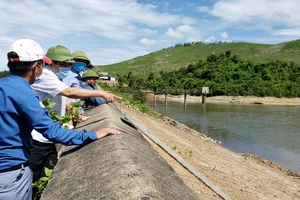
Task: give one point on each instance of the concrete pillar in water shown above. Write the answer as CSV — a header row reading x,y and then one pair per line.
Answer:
x,y
166,100
154,96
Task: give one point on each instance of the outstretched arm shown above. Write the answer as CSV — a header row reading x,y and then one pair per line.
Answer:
x,y
84,93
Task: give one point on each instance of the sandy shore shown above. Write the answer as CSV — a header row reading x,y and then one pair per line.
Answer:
x,y
239,175
230,99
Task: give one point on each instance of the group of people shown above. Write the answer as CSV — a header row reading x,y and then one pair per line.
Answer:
x,y
28,136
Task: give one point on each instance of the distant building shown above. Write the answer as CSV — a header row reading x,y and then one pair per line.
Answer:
x,y
103,73
107,78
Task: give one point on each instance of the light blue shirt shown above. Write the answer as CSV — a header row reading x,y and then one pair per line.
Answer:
x,y
20,112
73,80
92,101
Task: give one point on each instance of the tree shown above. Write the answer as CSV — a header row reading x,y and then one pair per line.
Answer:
x,y
228,54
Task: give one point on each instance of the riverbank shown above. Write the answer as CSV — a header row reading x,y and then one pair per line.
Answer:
x,y
231,99
240,176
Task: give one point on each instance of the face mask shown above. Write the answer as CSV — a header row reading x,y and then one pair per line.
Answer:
x,y
36,77
79,66
63,72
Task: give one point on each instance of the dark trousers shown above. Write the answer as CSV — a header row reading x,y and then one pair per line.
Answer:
x,y
42,155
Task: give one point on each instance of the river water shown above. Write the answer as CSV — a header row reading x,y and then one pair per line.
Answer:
x,y
271,132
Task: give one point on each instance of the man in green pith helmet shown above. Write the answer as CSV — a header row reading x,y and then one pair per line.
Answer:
x,y
81,61
76,70
43,153
89,78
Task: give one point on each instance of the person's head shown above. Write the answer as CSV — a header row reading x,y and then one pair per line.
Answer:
x,y
62,60
81,61
80,56
90,66
89,77
26,58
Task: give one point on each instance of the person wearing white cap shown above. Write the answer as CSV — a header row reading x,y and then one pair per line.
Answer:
x,y
20,112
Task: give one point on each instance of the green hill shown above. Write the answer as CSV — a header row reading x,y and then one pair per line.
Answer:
x,y
175,57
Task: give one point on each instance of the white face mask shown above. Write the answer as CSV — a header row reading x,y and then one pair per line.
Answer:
x,y
63,72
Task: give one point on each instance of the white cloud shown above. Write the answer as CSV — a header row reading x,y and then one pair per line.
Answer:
x,y
106,18
119,25
105,56
279,16
147,42
149,32
173,34
184,31
255,20
131,28
194,38
203,9
73,24
188,20
258,11
210,39
288,32
224,35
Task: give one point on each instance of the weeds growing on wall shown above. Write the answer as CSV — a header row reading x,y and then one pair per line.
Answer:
x,y
41,184
132,97
72,115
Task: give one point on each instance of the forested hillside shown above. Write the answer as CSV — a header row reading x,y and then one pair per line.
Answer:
x,y
181,55
226,74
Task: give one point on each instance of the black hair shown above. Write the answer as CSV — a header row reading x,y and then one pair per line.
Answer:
x,y
18,68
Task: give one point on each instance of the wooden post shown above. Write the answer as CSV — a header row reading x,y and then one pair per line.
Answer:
x,y
154,96
203,98
166,100
184,100
204,91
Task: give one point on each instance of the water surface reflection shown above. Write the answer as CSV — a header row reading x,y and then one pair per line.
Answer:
x,y
271,132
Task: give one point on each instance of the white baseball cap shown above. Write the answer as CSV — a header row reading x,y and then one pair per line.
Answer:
x,y
26,50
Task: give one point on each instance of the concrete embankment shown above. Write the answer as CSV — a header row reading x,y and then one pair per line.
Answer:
x,y
124,166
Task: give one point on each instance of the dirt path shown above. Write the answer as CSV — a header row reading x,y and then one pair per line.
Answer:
x,y
239,176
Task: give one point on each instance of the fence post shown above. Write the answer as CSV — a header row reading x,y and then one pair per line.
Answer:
x,y
166,99
204,91
203,98
154,96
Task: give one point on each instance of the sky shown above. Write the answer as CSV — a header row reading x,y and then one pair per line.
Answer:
x,y
112,31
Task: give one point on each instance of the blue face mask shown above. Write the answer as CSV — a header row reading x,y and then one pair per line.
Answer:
x,y
79,66
63,72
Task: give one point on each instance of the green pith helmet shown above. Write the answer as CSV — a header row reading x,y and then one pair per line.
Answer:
x,y
80,55
60,53
89,74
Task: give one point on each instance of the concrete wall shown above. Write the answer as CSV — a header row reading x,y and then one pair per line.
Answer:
x,y
116,167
